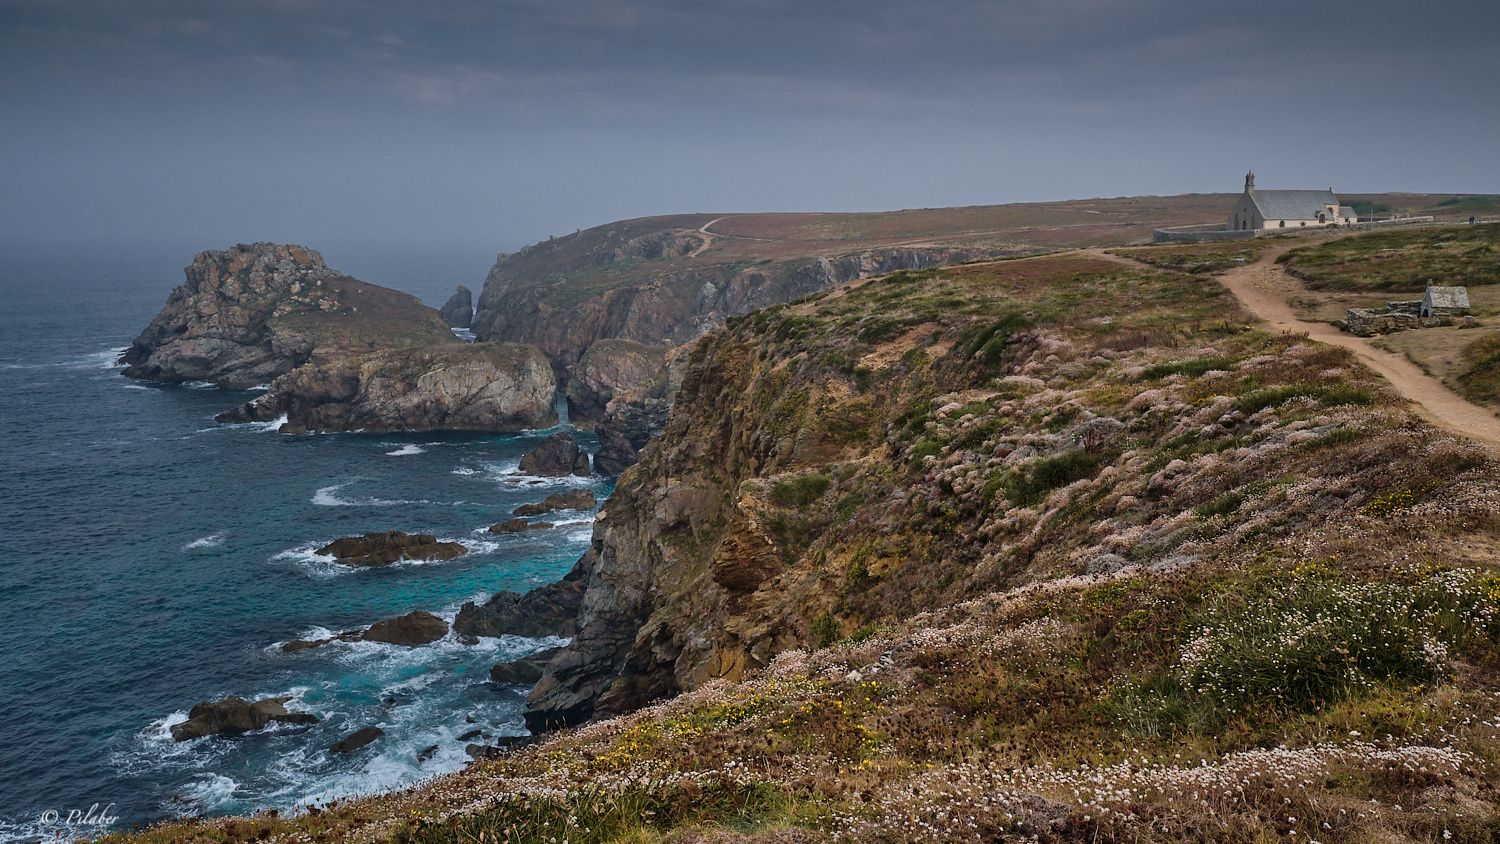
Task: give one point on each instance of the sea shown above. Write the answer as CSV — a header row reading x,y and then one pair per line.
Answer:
x,y
152,558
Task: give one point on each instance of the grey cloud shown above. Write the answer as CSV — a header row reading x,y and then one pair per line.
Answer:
x,y
470,117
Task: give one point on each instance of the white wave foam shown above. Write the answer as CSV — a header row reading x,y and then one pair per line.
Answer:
x,y
465,470
272,427
477,545
424,699
137,387
307,558
325,497
406,451
214,791
328,497
213,540
200,385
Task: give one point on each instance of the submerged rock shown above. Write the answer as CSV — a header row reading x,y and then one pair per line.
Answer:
x,y
519,526
249,314
356,740
459,310
555,457
470,387
524,671
235,715
382,549
297,645
573,499
412,629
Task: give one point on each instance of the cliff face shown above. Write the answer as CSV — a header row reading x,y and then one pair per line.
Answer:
x,y
610,368
871,454
646,281
478,387
249,314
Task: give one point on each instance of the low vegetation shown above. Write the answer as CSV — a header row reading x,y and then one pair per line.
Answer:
x,y
1196,257
1400,261
1481,381
1063,551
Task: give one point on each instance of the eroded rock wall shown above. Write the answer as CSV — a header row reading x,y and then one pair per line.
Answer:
x,y
469,387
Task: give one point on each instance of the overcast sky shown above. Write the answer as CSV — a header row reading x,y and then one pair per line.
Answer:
x,y
500,122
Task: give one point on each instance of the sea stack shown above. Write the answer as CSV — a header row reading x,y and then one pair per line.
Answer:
x,y
459,311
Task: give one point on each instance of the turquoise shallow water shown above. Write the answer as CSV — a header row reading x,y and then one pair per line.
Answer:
x,y
152,558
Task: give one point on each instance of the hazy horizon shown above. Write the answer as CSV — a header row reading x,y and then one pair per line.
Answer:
x,y
499,124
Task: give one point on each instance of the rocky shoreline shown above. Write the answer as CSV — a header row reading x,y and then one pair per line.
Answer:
x,y
342,355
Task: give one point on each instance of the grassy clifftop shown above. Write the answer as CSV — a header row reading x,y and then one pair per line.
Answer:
x,y
1053,549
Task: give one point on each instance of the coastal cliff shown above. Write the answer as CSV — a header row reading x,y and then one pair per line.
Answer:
x,y
461,386
1057,549
867,455
251,313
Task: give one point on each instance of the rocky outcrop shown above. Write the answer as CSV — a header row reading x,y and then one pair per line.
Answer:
x,y
556,457
550,610
573,499
458,312
249,314
628,426
382,549
470,387
608,369
525,671
519,526
356,740
235,715
412,629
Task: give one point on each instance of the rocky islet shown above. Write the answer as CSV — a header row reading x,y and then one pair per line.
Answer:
x,y
384,548
235,715
557,456
251,313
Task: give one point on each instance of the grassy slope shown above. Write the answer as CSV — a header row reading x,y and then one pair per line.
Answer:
x,y
1401,262
748,239
1105,565
354,316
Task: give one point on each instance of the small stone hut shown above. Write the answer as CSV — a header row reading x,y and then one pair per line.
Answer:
x,y
1445,301
1436,307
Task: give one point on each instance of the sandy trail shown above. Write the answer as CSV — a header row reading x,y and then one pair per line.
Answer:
x,y
708,237
1263,287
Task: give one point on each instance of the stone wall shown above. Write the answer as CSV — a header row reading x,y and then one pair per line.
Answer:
x,y
1199,233
1364,322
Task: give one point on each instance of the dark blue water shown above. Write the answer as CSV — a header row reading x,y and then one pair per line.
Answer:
x,y
151,558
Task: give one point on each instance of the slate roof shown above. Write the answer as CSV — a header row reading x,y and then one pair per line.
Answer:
x,y
1447,297
1293,204
1346,211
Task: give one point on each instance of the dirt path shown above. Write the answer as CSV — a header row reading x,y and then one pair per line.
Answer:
x,y
1263,288
708,237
